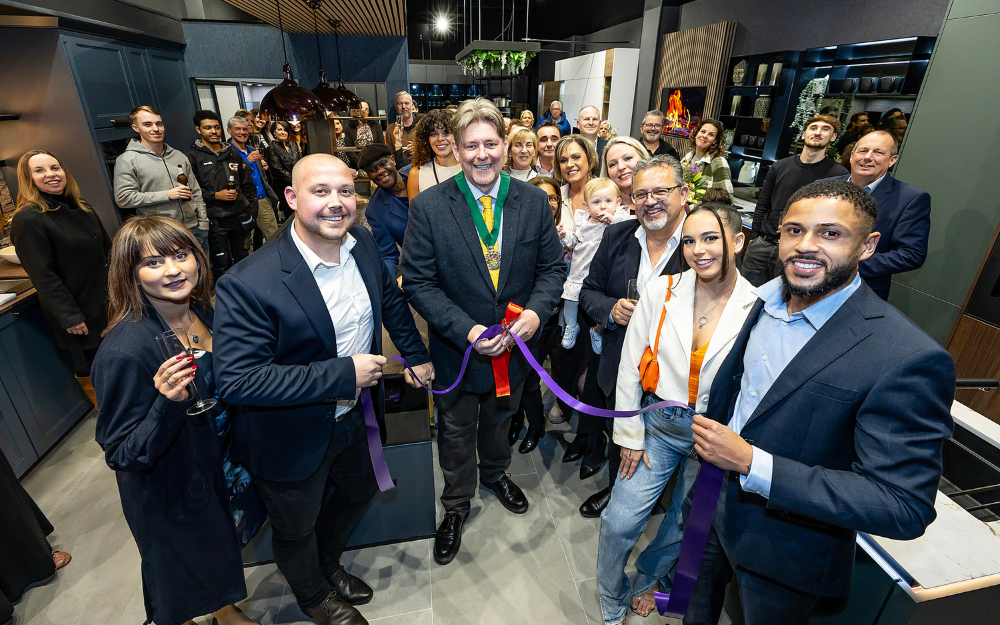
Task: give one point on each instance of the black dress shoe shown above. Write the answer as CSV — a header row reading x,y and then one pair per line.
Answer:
x,y
530,441
508,493
350,588
587,470
335,611
596,503
576,449
449,537
513,433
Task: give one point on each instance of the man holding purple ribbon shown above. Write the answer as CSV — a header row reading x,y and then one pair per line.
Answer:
x,y
829,415
480,249
298,338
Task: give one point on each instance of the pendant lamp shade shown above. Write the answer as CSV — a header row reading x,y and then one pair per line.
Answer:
x,y
332,99
291,103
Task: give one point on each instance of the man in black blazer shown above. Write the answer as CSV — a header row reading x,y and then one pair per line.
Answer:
x,y
298,335
466,257
904,212
639,249
829,414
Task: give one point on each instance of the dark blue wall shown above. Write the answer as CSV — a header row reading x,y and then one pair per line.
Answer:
x,y
237,50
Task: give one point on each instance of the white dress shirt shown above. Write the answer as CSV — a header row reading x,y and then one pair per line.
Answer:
x,y
346,298
647,269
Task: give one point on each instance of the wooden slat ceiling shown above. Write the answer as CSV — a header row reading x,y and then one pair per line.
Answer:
x,y
358,17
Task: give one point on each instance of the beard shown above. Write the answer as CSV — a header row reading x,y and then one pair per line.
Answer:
x,y
834,278
654,224
816,143
316,227
482,179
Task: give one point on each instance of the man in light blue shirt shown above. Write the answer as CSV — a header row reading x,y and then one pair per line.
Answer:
x,y
829,414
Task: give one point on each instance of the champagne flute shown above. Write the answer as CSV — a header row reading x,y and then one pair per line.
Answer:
x,y
633,291
178,341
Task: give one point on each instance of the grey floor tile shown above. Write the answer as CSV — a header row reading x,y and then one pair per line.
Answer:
x,y
511,569
65,465
135,611
266,589
423,617
399,574
592,605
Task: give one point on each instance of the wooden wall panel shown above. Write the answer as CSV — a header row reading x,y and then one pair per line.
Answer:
x,y
975,346
697,57
359,17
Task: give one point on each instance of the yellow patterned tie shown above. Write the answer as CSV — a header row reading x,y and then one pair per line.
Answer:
x,y
491,254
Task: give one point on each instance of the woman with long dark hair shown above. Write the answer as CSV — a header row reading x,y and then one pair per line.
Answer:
x,y
168,463
64,248
434,159
707,152
281,157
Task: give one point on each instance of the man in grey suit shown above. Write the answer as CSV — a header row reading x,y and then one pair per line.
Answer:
x,y
474,245
829,414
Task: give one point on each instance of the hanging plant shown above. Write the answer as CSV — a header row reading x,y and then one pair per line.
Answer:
x,y
809,102
495,60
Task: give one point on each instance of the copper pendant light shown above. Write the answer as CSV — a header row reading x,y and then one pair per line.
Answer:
x,y
288,101
352,100
333,101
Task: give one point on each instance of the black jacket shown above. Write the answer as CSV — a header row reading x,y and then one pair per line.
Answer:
x,y
65,253
213,171
280,161
615,263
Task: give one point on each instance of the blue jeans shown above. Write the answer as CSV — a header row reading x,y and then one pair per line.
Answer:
x,y
670,447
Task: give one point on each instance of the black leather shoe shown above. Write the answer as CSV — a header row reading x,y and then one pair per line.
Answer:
x,y
530,441
449,537
513,433
588,471
596,503
335,611
350,588
508,493
576,449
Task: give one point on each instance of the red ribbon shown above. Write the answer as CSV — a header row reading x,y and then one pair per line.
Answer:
x,y
502,362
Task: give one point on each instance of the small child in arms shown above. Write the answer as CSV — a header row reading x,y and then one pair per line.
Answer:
x,y
603,207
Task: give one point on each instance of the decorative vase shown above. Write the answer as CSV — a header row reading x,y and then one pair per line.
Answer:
x,y
760,142
761,106
885,84
850,85
761,73
897,84
745,140
867,84
748,173
736,105
775,73
739,73
729,136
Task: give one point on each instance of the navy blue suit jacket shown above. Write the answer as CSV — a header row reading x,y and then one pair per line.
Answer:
x,y
855,423
387,216
904,220
276,354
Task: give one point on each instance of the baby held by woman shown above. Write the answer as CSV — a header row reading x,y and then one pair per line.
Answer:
x,y
602,200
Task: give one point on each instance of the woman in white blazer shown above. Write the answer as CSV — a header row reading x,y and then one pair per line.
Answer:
x,y
706,309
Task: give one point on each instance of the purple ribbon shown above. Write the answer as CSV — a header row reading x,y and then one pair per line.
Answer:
x,y
707,487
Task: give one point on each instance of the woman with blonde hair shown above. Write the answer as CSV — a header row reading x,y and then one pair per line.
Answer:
x,y
168,463
527,118
522,153
63,248
621,155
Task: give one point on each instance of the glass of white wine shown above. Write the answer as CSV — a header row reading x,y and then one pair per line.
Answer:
x,y
178,341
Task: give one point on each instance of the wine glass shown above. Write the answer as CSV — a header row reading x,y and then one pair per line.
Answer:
x,y
178,341
633,291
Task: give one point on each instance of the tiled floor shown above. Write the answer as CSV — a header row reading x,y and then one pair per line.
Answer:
x,y
512,569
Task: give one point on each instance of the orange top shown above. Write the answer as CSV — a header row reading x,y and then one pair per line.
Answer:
x,y
696,360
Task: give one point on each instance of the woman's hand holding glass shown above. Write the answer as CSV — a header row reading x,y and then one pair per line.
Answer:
x,y
173,376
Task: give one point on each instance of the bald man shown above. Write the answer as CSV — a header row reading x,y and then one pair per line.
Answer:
x,y
589,124
297,336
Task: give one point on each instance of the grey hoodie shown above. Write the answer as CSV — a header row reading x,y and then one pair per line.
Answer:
x,y
143,177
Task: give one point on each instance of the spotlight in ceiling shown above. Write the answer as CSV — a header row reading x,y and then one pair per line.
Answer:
x,y
442,24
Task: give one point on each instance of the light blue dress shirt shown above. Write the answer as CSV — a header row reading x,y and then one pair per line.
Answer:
x,y
773,343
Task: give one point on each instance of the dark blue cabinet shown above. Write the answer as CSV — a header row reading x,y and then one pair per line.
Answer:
x,y
14,442
103,77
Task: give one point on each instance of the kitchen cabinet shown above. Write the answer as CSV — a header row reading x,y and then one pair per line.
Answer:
x,y
104,79
14,442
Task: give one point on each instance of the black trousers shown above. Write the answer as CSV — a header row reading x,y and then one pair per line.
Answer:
x,y
598,430
310,525
531,407
226,243
469,423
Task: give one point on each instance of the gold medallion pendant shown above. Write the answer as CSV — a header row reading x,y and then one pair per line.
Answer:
x,y
493,258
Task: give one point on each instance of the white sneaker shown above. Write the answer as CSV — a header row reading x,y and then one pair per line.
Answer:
x,y
596,340
569,335
556,416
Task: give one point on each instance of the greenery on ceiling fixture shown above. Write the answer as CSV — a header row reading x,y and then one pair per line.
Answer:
x,y
495,60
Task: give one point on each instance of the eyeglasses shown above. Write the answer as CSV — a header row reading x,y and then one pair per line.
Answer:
x,y
659,195
652,126
554,200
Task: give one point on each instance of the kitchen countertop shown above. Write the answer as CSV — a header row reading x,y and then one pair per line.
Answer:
x,y
9,271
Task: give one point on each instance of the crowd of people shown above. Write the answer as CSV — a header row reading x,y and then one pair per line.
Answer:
x,y
825,405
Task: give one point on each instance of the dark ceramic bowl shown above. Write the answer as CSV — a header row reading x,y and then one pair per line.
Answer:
x,y
850,85
885,84
760,142
868,84
746,140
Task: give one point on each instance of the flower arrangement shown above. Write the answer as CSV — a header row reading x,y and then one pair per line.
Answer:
x,y
695,182
495,60
809,102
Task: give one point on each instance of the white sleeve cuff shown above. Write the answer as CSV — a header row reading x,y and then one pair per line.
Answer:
x,y
761,470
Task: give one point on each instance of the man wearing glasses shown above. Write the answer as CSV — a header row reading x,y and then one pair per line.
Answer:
x,y
637,249
389,206
650,134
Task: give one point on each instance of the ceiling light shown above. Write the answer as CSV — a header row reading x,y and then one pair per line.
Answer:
x,y
288,101
441,24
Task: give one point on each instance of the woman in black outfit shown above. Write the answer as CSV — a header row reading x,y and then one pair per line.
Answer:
x,y
167,463
63,247
281,157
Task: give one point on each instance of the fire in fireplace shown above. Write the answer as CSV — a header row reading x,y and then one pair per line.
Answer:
x,y
682,110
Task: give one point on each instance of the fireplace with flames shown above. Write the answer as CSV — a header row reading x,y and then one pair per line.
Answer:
x,y
682,110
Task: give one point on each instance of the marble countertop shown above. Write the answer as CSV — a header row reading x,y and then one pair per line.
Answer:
x,y
957,547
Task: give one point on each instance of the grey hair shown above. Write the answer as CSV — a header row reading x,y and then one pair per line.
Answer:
x,y
229,124
653,113
555,102
396,97
660,161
